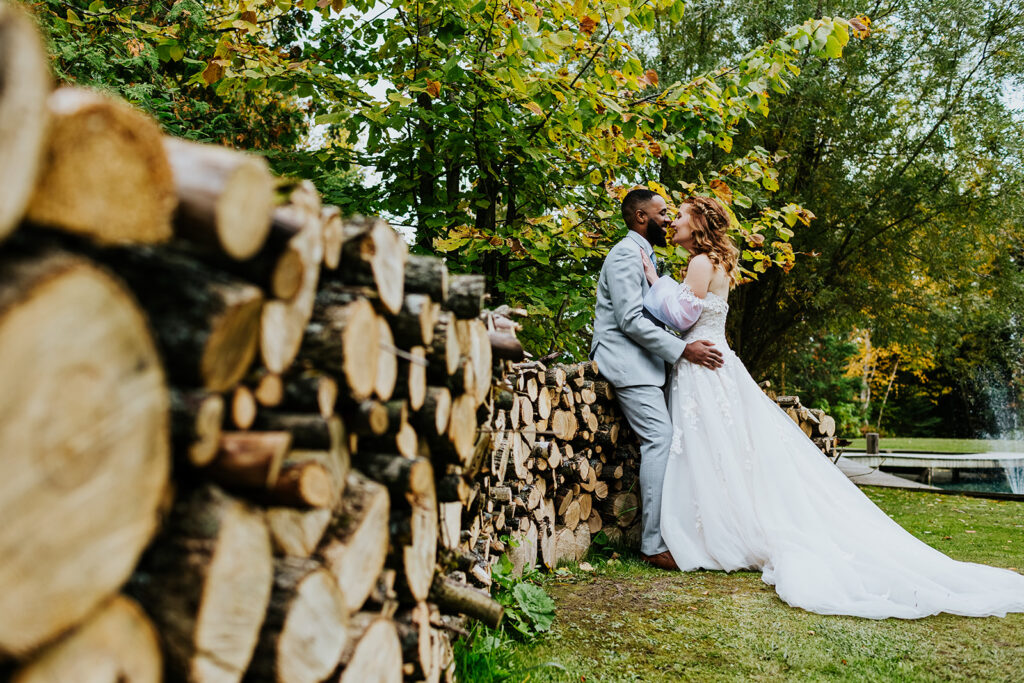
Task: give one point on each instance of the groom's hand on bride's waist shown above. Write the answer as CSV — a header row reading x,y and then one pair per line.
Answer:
x,y
703,352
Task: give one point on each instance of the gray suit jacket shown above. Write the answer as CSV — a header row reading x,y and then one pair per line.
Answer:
x,y
630,346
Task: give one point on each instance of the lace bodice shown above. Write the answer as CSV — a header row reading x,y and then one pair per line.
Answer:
x,y
711,323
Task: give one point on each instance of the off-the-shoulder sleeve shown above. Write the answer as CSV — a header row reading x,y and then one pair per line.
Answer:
x,y
673,303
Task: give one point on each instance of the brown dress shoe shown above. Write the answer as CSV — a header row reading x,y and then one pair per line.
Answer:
x,y
662,560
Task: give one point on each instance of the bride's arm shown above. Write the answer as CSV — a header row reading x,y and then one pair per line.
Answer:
x,y
673,303
679,305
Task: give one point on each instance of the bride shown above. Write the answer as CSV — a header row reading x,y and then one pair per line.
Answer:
x,y
745,489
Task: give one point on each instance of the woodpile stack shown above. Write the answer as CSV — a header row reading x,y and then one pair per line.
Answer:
x,y
228,414
562,466
813,422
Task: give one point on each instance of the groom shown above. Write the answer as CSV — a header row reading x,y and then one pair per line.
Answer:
x,y
632,348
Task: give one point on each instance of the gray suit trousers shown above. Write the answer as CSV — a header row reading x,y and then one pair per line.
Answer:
x,y
645,408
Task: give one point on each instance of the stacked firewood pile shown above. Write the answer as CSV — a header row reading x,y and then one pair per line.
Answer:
x,y
563,466
228,414
815,423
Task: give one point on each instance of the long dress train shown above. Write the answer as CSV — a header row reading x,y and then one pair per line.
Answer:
x,y
745,489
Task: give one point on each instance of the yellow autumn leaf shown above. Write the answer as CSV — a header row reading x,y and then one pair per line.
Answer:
x,y
535,108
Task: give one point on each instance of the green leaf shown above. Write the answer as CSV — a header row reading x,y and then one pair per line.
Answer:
x,y
832,48
536,604
563,38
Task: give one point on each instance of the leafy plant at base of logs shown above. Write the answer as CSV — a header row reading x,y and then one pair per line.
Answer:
x,y
529,612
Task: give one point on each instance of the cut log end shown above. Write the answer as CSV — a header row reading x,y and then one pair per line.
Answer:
x,y
105,174
86,443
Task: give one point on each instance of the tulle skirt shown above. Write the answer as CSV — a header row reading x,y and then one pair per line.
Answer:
x,y
745,489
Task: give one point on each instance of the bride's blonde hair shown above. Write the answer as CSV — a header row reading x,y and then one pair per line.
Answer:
x,y
709,223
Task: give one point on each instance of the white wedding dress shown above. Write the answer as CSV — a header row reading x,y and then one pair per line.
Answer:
x,y
745,489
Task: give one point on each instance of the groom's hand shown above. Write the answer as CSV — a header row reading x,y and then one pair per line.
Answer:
x,y
704,353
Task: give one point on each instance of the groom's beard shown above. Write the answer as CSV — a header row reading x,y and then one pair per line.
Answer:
x,y
656,235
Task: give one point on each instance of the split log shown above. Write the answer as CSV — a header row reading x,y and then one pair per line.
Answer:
x,y
545,515
117,643
25,75
206,582
207,323
412,377
374,653
196,418
225,197
84,439
306,480
368,418
374,254
481,358
418,643
105,174
434,415
524,554
565,545
283,322
310,432
306,627
462,427
268,388
356,542
414,324
413,533
345,341
297,533
466,295
427,275
444,353
505,346
334,235
387,363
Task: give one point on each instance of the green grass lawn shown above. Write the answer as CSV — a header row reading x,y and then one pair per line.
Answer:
x,y
943,445
628,622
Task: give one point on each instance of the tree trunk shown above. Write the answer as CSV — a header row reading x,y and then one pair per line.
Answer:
x,y
25,79
84,438
105,174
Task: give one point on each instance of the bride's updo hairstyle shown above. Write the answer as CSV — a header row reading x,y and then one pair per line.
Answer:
x,y
709,222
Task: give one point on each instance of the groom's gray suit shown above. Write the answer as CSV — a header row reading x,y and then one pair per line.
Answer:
x,y
632,349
